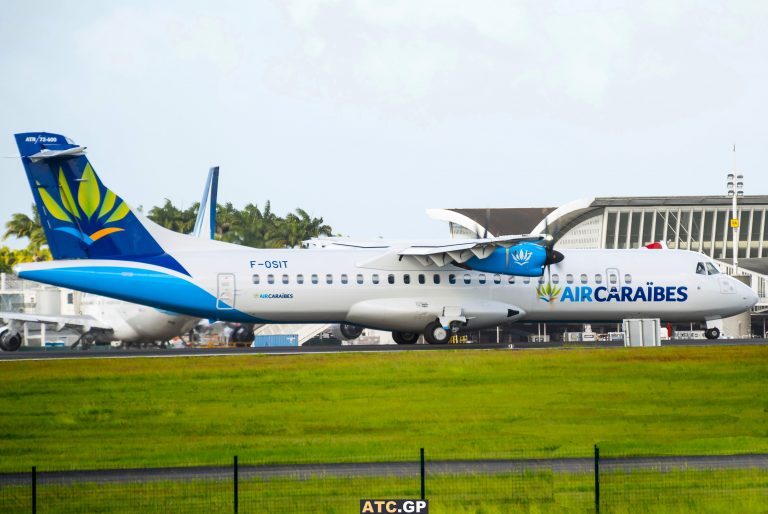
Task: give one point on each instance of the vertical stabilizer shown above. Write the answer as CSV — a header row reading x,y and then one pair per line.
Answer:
x,y
205,225
81,217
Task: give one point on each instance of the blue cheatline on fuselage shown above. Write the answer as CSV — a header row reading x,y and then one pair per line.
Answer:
x,y
161,290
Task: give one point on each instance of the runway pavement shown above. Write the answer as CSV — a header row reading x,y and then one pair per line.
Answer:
x,y
109,352
399,469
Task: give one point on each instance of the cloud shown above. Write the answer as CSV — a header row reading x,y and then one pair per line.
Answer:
x,y
132,42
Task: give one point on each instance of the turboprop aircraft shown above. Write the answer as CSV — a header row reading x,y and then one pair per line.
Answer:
x,y
103,246
103,319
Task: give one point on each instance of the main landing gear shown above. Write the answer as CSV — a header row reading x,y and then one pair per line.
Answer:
x,y
712,333
434,333
405,337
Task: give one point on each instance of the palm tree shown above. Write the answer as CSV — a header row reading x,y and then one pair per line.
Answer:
x,y
296,228
173,218
21,226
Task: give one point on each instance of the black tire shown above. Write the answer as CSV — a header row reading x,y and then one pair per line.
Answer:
x,y
10,341
436,334
405,337
712,333
349,331
86,341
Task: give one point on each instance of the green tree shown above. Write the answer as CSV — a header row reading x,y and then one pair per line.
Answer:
x,y
173,218
297,227
10,257
22,226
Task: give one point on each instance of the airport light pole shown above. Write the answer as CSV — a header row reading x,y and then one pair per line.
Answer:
x,y
735,191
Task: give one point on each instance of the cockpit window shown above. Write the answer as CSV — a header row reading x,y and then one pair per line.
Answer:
x,y
700,269
712,269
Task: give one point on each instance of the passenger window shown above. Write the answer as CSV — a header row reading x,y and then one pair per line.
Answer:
x,y
255,279
569,278
467,278
555,278
541,279
712,269
422,279
344,278
584,279
314,279
285,279
375,278
436,278
497,279
598,278
612,278
701,269
451,278
329,279
406,279
481,278
527,280
512,280
271,279
299,279
359,278
391,279
627,278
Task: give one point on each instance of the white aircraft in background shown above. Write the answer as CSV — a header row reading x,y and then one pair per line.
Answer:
x,y
104,319
103,247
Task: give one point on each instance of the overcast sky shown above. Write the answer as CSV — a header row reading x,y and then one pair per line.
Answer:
x,y
368,112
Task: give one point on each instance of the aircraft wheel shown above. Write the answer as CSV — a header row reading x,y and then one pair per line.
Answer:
x,y
405,337
712,333
436,334
87,341
10,341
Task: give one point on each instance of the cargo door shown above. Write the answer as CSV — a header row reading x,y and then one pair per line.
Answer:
x,y
225,291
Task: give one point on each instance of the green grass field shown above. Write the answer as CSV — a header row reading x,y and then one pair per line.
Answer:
x,y
104,413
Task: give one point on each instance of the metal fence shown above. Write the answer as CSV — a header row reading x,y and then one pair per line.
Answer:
x,y
591,482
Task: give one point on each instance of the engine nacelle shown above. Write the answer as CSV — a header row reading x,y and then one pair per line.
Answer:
x,y
346,331
524,259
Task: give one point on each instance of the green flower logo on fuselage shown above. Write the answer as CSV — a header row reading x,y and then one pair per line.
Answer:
x,y
548,292
90,212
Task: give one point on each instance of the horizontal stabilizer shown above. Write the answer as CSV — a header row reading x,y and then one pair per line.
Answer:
x,y
52,154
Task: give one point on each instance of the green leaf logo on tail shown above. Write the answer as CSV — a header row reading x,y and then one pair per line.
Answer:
x,y
87,214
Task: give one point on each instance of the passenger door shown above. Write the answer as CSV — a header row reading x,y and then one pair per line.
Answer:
x,y
225,291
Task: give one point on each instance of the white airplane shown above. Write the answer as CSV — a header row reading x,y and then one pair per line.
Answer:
x,y
104,319
104,247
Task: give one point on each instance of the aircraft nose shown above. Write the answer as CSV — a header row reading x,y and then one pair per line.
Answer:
x,y
747,295
751,297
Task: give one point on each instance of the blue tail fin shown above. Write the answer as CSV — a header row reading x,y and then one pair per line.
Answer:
x,y
205,224
81,217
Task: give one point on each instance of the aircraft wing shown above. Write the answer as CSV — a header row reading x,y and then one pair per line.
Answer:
x,y
463,250
84,323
